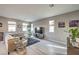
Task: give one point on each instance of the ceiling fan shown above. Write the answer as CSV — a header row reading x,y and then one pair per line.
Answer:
x,y
51,5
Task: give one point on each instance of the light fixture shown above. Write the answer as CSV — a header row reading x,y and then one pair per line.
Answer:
x,y
51,5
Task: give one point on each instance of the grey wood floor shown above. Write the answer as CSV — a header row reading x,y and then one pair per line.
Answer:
x,y
41,48
46,48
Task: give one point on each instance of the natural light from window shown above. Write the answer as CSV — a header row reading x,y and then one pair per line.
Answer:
x,y
24,26
31,27
51,26
11,26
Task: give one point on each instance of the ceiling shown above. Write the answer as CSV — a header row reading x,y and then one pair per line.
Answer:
x,y
33,12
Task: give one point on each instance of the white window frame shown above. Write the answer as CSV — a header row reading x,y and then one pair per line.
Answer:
x,y
32,27
51,26
11,24
24,25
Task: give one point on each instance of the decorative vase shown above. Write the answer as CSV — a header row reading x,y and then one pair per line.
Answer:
x,y
76,43
77,40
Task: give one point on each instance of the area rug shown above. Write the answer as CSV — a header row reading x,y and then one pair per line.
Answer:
x,y
32,41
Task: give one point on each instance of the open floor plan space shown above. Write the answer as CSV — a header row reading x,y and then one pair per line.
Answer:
x,y
39,29
45,48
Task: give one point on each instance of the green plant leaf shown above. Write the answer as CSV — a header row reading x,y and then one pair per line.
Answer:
x,y
74,33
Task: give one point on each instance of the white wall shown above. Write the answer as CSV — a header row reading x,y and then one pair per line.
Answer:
x,y
60,34
4,22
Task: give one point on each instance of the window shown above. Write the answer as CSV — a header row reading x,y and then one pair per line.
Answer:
x,y
51,26
11,26
24,28
31,27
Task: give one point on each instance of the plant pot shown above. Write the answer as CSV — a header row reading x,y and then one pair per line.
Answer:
x,y
77,39
74,43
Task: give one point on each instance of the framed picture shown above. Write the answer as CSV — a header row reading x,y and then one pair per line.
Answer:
x,y
0,24
61,24
74,23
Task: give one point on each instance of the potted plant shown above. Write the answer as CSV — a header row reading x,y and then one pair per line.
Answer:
x,y
74,36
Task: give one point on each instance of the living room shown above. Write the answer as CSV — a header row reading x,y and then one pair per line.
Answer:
x,y
38,29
